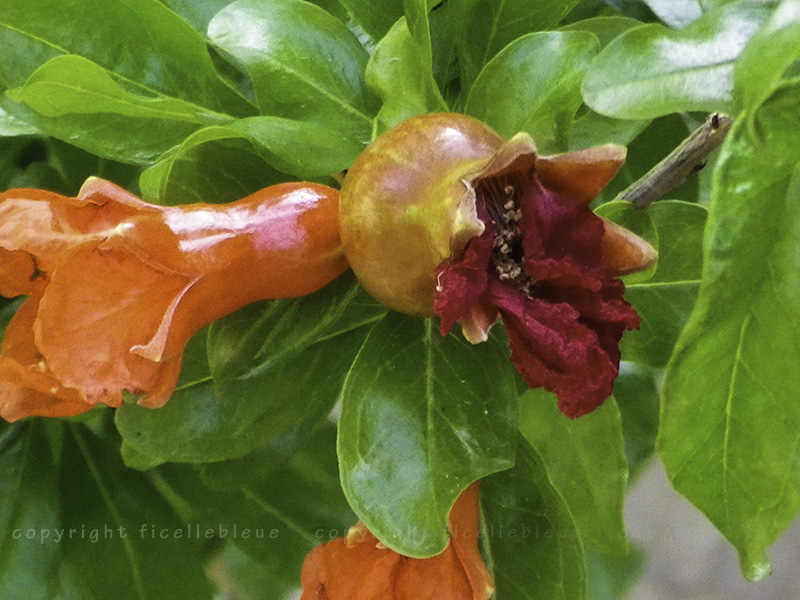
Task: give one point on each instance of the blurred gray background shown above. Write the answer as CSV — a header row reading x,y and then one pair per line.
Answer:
x,y
687,559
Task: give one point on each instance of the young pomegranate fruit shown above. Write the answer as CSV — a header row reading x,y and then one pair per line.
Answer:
x,y
441,216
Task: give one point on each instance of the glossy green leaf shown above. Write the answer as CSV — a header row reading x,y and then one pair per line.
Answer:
x,y
423,416
676,13
585,461
289,48
376,17
28,511
297,507
652,71
74,99
300,148
214,164
533,85
634,9
274,366
492,25
605,29
534,548
11,126
765,59
198,13
665,296
225,163
400,73
593,129
729,421
127,543
141,41
637,396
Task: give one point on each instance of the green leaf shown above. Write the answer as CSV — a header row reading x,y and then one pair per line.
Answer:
x,y
767,56
11,126
676,13
127,543
300,148
289,49
214,164
28,511
376,17
612,577
636,393
78,101
605,29
225,163
593,129
652,71
535,550
400,73
423,416
8,308
729,421
492,25
140,41
198,13
283,512
275,366
247,578
663,297
585,462
533,85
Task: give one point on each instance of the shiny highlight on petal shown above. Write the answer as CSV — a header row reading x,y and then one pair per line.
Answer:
x,y
118,286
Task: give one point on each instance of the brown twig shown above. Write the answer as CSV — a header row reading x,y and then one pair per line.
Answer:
x,y
689,157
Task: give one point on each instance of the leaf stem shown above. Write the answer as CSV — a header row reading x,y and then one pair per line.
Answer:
x,y
689,157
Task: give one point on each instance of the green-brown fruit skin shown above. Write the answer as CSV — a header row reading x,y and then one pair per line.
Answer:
x,y
406,203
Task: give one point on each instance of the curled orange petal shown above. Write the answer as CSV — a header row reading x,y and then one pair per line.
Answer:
x,y
121,285
624,252
581,174
359,567
27,386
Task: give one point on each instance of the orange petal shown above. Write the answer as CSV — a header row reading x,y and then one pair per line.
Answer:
x,y
19,275
361,568
465,526
45,224
355,568
102,301
625,252
441,576
582,174
125,284
27,386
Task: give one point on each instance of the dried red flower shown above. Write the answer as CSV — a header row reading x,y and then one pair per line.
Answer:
x,y
359,567
440,216
117,286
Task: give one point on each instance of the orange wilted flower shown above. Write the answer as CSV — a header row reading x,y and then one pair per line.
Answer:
x,y
117,286
359,567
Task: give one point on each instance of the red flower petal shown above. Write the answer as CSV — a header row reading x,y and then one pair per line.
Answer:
x,y
461,286
564,321
553,349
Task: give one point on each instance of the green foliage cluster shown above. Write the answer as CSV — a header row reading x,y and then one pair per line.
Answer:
x,y
188,100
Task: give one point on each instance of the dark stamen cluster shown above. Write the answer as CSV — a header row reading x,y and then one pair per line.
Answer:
x,y
508,257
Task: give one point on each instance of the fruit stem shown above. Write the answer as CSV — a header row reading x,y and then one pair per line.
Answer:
x,y
689,157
